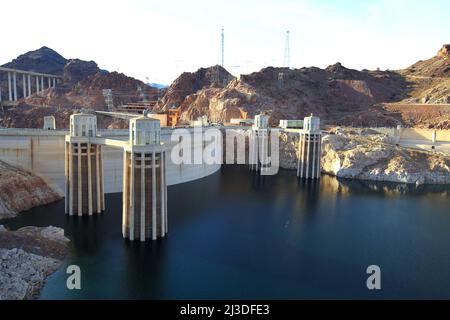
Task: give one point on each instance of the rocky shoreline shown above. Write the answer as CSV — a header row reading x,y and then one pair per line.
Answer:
x,y
21,190
370,157
27,257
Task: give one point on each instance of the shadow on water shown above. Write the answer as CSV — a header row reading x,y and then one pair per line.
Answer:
x,y
239,235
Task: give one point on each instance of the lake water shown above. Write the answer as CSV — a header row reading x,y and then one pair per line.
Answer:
x,y
235,235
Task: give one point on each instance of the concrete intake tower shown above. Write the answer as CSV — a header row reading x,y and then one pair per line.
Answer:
x,y
84,167
310,146
144,182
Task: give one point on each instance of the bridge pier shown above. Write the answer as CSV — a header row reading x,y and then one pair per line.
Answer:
x,y
9,87
84,168
144,183
310,149
29,85
24,86
15,85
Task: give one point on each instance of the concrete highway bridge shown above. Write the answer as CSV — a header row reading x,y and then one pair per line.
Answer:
x,y
28,81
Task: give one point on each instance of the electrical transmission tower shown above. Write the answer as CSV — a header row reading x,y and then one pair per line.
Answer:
x,y
222,48
107,94
287,58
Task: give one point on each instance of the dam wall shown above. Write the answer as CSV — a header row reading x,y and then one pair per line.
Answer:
x,y
42,152
415,134
426,139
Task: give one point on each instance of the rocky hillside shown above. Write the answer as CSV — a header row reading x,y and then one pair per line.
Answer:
x,y
21,190
82,85
438,66
44,60
340,96
27,257
332,93
337,94
185,91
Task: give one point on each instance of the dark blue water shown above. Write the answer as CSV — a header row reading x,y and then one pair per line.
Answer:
x,y
237,236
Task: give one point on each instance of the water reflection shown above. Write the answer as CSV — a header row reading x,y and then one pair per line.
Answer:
x,y
238,235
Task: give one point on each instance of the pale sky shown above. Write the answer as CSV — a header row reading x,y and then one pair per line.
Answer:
x,y
160,39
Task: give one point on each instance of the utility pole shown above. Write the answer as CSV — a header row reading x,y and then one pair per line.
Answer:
x,y
287,57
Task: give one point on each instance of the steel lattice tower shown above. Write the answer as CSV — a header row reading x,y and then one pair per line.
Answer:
x,y
222,48
287,58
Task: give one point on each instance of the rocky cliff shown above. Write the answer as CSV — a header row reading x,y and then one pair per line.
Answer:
x,y
21,190
27,257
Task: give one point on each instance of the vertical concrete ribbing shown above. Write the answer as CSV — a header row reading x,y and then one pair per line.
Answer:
x,y
80,193
102,177
71,177
89,165
308,139
319,156
142,232
313,171
302,155
125,193
131,207
165,193
154,233
97,172
163,205
66,173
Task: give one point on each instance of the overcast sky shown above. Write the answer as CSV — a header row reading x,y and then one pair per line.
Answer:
x,y
160,39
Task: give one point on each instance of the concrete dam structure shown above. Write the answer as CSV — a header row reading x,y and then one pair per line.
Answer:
x,y
43,153
85,163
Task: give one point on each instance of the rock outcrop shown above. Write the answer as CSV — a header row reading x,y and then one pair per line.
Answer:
x,y
366,155
27,257
76,70
370,157
21,190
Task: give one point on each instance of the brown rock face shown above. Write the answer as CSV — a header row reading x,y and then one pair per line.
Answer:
x,y
76,70
445,51
190,82
337,94
287,94
21,190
